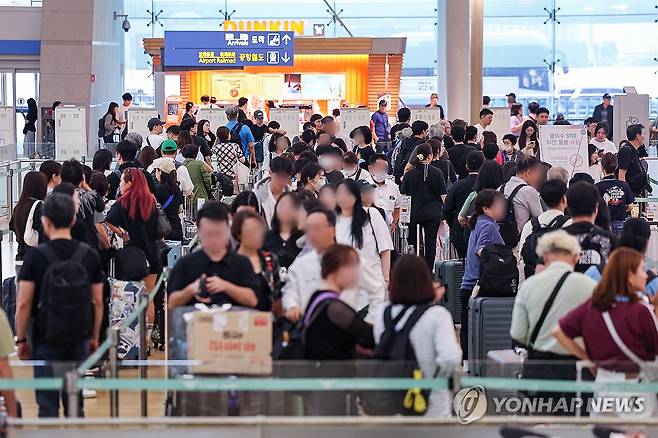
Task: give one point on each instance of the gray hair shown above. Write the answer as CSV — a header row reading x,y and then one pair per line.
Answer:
x,y
437,131
557,242
135,139
231,112
558,173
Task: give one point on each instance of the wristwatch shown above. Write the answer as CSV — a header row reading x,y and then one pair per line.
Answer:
x,y
19,341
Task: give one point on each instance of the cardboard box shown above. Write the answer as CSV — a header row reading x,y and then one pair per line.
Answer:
x,y
230,342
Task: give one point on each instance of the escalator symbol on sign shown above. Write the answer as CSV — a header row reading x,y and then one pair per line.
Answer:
x,y
272,57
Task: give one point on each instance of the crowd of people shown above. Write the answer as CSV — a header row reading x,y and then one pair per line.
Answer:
x,y
312,241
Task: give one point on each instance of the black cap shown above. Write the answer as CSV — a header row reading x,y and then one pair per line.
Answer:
x,y
364,186
607,96
258,114
511,95
152,123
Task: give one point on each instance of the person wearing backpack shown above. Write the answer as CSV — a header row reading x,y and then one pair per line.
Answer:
x,y
412,329
541,302
241,134
333,331
489,208
60,288
553,193
521,192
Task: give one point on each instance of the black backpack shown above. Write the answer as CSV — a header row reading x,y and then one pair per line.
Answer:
x,y
65,309
499,275
259,148
396,358
529,250
101,127
235,134
508,228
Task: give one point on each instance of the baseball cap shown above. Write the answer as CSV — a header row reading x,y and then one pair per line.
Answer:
x,y
166,165
511,95
168,146
154,122
258,114
607,96
364,186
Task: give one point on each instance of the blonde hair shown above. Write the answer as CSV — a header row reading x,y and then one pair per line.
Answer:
x,y
558,242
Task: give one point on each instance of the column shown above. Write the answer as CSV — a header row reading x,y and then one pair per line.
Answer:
x,y
477,51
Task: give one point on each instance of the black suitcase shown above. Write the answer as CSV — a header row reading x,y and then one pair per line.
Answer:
x,y
450,273
489,321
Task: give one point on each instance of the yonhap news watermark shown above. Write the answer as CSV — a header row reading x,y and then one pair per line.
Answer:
x,y
471,404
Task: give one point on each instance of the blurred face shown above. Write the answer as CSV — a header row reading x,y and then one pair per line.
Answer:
x,y
327,198
434,99
206,127
508,145
382,108
638,279
331,128
123,184
347,276
320,233
344,198
157,129
529,130
379,170
542,119
368,198
214,235
591,129
193,130
350,168
497,210
281,144
606,102
253,234
280,180
328,162
534,176
358,138
600,135
486,120
260,121
286,211
324,139
318,124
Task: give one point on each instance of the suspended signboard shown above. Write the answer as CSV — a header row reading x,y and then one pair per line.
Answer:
x,y
564,146
70,132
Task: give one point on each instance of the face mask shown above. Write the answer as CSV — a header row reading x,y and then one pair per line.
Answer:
x,y
327,163
320,183
379,177
508,148
350,172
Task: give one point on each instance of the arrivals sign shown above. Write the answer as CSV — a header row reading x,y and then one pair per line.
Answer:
x,y
208,49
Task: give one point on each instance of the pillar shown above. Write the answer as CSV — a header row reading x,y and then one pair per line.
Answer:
x,y
477,51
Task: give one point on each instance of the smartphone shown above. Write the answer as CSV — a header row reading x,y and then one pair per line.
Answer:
x,y
203,292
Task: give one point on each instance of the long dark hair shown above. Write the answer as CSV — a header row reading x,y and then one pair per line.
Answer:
x,y
485,199
32,110
523,137
146,157
170,181
359,215
110,111
199,127
411,281
275,225
35,186
102,160
273,139
184,138
490,176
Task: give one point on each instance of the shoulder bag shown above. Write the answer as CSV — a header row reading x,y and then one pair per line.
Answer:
x,y
30,235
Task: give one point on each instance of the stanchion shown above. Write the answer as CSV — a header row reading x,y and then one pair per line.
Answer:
x,y
143,296
73,393
114,370
404,236
10,196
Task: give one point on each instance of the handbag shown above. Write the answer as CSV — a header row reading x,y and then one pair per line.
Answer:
x,y
648,369
164,226
131,264
30,235
241,171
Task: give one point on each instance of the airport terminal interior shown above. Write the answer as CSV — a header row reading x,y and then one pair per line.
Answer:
x,y
264,218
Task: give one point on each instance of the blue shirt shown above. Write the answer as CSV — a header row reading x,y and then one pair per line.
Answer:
x,y
486,232
246,136
649,290
382,127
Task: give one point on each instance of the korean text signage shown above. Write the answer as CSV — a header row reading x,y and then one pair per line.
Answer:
x,y
565,146
228,49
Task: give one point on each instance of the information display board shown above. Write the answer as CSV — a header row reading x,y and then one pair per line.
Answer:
x,y
350,118
216,117
70,132
564,146
7,134
431,116
629,109
204,49
288,118
500,123
138,119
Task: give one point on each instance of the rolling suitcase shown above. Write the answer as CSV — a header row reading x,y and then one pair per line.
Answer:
x,y
450,273
175,252
123,301
8,300
489,321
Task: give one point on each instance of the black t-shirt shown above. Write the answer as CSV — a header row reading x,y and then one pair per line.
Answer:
x,y
114,178
617,194
596,244
233,268
334,177
426,202
163,193
340,143
35,265
258,132
629,160
457,155
204,148
143,234
447,168
364,154
285,250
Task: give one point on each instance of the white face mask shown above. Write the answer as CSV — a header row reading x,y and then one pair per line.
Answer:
x,y
320,183
379,177
326,162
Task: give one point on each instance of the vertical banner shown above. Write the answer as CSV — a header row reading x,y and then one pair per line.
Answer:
x,y
216,117
431,116
564,146
7,133
288,118
70,132
138,119
630,109
350,118
500,123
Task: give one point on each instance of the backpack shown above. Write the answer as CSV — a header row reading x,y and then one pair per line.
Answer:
x,y
101,127
260,153
65,310
528,252
396,358
508,228
499,275
235,134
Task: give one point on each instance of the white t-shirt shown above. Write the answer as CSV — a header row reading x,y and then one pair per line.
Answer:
x,y
362,173
388,198
268,206
606,145
153,140
376,236
480,129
